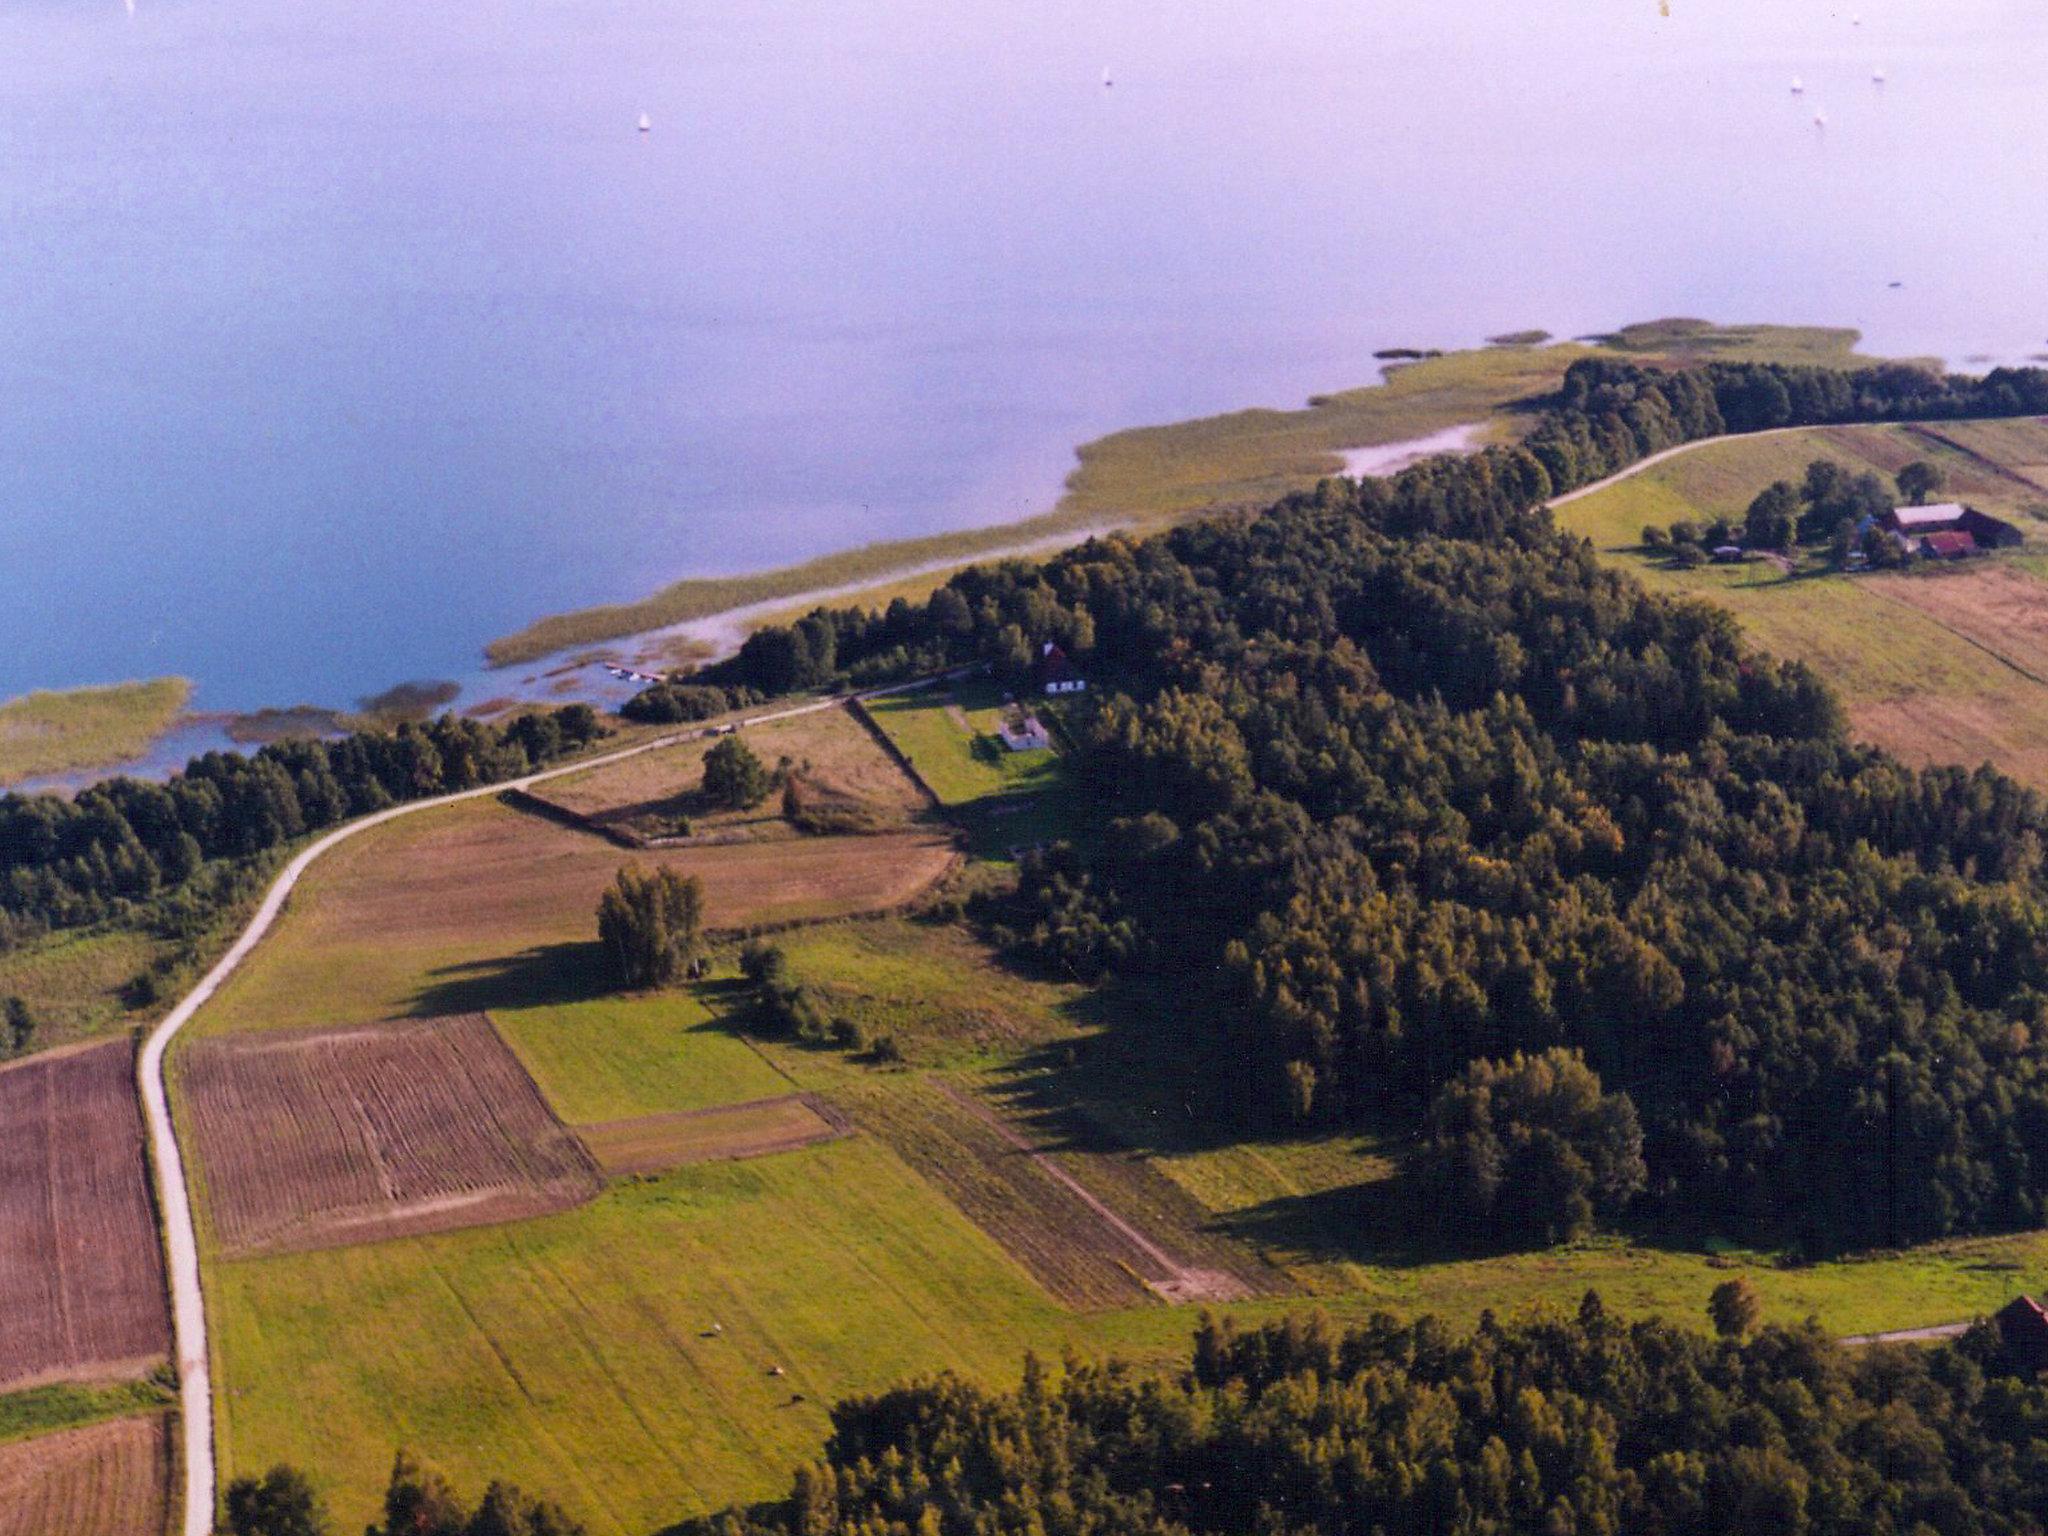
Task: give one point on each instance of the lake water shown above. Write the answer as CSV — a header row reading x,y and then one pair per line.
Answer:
x,y
336,339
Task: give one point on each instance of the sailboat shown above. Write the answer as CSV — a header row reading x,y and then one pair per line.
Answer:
x,y
1798,85
1877,75
1106,81
646,123
1820,119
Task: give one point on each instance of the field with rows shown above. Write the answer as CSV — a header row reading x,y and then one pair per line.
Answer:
x,y
81,1266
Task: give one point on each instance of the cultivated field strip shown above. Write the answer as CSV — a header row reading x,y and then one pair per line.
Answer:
x,y
81,1265
109,1479
722,1133
1089,1254
360,1134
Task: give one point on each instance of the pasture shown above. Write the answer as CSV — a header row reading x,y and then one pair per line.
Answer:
x,y
109,1479
577,1352
81,1265
1936,665
358,1135
622,1056
645,796
478,906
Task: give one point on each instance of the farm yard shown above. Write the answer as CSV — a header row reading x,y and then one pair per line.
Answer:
x,y
951,734
1936,665
357,1135
81,1264
109,1479
837,758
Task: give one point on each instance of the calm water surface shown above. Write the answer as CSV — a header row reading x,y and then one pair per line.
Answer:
x,y
338,338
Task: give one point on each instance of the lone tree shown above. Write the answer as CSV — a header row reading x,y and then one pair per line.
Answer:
x,y
734,776
1735,1308
1917,480
1530,1150
653,924
280,1503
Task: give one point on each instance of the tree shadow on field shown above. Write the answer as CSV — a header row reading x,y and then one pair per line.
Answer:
x,y
546,975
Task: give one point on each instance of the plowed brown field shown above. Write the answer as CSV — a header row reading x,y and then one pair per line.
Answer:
x,y
310,1140
81,1265
109,1479
655,1143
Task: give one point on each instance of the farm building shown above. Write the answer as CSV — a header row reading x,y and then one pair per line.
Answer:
x,y
1985,531
2023,1329
1946,544
1056,672
1022,731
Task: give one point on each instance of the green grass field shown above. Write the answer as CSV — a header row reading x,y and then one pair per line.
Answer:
x,y
1003,799
50,733
571,1353
75,981
67,1405
1148,477
612,1057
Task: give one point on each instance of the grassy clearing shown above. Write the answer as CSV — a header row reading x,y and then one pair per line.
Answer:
x,y
1936,665
1151,476
647,795
67,1405
941,996
76,982
48,733
615,1057
949,735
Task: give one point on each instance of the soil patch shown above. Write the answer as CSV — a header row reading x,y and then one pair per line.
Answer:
x,y
81,1265
312,1140
723,1133
111,1479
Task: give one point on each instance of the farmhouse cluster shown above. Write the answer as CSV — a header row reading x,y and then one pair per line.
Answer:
x,y
1947,530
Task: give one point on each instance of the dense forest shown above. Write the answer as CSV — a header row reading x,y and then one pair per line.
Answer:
x,y
169,854
1549,1426
1394,777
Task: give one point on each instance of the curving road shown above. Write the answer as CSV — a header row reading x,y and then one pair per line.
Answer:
x,y
181,1245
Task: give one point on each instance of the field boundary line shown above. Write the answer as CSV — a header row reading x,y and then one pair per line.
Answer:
x,y
189,1347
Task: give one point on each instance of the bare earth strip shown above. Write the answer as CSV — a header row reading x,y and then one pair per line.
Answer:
x,y
110,1479
723,1133
81,1269
310,1140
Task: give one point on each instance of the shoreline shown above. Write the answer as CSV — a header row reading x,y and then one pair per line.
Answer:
x,y
1146,478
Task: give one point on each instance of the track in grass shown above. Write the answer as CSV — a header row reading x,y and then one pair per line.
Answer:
x,y
309,1140
110,1479
727,1132
81,1265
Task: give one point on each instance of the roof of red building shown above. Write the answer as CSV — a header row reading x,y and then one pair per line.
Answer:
x,y
1949,543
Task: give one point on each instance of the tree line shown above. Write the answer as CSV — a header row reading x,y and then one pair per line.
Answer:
x,y
1547,1425
167,853
1394,778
